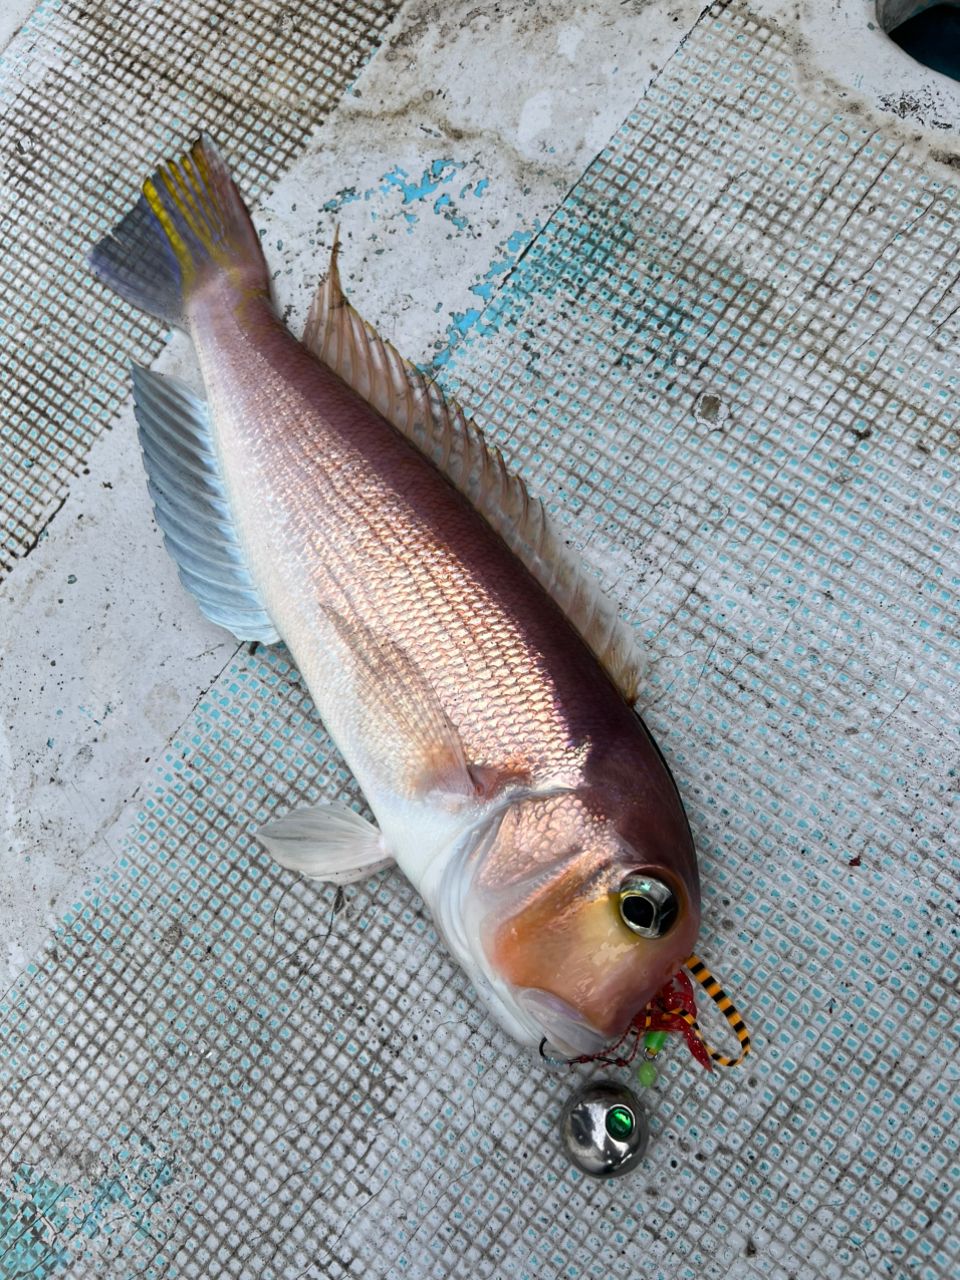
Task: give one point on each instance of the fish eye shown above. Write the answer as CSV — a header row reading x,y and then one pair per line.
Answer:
x,y
648,907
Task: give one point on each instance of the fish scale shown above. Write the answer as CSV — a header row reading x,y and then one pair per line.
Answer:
x,y
472,676
461,607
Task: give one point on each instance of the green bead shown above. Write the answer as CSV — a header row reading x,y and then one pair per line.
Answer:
x,y
654,1041
647,1074
620,1122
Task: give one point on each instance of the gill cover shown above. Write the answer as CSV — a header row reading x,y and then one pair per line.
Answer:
x,y
562,920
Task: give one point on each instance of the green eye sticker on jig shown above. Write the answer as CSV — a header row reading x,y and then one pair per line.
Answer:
x,y
620,1123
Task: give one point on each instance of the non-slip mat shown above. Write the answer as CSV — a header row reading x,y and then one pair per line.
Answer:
x,y
727,360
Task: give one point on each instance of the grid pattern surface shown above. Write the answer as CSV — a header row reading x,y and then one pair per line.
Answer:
x,y
727,361
92,93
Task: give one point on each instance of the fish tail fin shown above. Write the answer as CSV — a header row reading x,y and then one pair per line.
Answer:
x,y
189,224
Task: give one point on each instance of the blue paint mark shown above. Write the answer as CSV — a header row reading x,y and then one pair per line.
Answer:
x,y
42,1221
520,239
461,322
477,189
438,172
412,191
108,709
336,203
515,244
464,323
445,206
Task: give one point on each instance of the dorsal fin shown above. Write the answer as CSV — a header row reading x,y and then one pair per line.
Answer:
x,y
339,336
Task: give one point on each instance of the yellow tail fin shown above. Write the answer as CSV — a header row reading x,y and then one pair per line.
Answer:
x,y
189,222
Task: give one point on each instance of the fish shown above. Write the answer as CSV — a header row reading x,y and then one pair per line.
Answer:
x,y
324,492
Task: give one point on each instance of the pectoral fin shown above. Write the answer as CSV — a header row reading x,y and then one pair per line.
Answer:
x,y
327,842
400,702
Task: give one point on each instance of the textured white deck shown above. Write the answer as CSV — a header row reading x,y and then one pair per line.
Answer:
x,y
704,292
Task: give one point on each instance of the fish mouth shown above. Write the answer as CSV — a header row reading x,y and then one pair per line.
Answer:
x,y
564,1028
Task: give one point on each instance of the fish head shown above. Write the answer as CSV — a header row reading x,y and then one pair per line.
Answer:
x,y
579,918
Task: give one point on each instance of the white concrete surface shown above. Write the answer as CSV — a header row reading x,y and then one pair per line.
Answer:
x,y
92,689
13,14
843,55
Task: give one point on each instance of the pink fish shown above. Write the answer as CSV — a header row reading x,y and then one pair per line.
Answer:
x,y
324,492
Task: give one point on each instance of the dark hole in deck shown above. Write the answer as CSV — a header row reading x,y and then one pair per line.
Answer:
x,y
929,33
